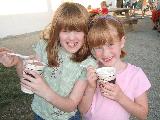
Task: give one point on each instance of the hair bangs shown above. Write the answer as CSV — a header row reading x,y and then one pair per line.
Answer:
x,y
96,38
100,34
117,29
72,21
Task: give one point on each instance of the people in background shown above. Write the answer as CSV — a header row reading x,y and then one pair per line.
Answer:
x,y
133,7
127,4
156,16
119,3
89,8
104,9
144,8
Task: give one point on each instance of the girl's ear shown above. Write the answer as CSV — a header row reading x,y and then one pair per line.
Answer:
x,y
123,40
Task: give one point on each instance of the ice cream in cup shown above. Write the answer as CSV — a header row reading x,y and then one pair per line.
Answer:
x,y
106,74
35,66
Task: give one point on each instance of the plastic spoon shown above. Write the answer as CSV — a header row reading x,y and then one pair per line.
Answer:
x,y
19,55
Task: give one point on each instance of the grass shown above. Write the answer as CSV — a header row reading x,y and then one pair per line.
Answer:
x,y
14,104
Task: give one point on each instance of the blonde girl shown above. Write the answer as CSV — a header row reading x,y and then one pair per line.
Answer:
x,y
108,101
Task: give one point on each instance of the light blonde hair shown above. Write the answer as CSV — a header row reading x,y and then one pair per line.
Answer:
x,y
105,29
72,17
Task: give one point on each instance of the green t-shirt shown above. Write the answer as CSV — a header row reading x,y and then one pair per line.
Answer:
x,y
61,79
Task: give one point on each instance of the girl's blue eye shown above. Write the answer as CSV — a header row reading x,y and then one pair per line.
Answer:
x,y
110,45
78,30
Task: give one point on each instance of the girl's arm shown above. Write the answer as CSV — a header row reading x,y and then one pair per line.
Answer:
x,y
89,92
41,88
87,99
19,67
138,108
70,102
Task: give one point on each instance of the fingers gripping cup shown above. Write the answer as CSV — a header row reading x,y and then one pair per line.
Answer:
x,y
106,74
34,66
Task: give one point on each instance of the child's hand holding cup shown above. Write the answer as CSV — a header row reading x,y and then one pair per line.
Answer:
x,y
105,75
34,65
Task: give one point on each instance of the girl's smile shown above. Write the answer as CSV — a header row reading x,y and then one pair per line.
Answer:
x,y
107,59
71,41
72,44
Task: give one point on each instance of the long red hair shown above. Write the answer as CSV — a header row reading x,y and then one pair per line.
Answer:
x,y
69,16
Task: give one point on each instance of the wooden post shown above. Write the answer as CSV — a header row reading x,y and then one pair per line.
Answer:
x,y
119,3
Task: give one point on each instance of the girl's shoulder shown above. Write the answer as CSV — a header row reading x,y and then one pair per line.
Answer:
x,y
40,45
139,80
137,71
136,74
40,48
134,78
42,42
133,68
90,61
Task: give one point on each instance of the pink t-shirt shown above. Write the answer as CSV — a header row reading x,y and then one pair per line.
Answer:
x,y
133,83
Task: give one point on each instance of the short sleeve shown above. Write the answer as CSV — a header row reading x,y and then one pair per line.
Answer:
x,y
142,83
39,48
88,62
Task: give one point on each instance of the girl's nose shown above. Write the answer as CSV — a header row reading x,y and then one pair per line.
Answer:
x,y
106,51
71,35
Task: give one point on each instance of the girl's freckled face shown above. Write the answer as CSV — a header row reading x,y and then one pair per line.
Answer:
x,y
71,41
108,55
